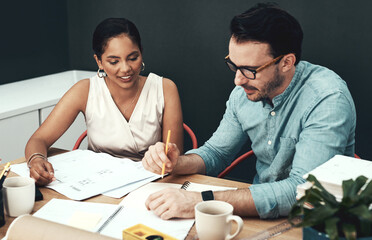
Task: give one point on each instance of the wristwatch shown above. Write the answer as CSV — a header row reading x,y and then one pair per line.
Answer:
x,y
207,195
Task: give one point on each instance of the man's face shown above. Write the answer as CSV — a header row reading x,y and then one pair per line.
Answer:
x,y
268,82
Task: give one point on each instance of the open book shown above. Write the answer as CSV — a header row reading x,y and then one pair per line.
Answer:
x,y
339,168
111,219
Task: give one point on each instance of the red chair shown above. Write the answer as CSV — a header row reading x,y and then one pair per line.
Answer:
x,y
234,163
187,129
242,158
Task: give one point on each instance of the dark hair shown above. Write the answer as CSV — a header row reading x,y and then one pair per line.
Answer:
x,y
267,23
112,27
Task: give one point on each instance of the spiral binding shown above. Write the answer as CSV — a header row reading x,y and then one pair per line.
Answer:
x,y
185,185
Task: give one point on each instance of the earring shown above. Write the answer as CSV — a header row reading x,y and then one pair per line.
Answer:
x,y
101,73
143,66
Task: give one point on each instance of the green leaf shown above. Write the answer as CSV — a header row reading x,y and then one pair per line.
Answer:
x,y
365,228
362,212
331,228
351,188
366,194
318,215
324,193
349,231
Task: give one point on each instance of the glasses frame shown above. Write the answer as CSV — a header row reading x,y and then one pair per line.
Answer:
x,y
254,71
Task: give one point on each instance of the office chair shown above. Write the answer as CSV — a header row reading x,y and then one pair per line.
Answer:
x,y
185,127
242,158
235,162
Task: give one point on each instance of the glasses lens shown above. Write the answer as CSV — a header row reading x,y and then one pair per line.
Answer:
x,y
248,74
231,66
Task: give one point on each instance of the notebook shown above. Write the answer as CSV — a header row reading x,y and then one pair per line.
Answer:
x,y
111,219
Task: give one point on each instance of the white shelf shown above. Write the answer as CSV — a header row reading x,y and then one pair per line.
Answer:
x,y
24,105
36,93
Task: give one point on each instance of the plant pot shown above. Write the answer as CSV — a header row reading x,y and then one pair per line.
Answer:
x,y
309,233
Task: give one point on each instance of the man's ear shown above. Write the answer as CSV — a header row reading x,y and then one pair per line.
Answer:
x,y
99,62
288,62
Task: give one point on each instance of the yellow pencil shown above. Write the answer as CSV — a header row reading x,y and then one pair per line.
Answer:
x,y
5,168
166,152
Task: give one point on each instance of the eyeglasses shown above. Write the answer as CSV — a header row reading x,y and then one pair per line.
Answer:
x,y
249,72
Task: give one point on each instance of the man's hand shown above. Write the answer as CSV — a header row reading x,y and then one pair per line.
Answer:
x,y
42,171
173,203
155,157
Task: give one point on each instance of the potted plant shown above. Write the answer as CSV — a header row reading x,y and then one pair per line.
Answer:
x,y
351,218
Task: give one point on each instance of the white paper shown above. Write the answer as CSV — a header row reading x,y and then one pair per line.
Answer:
x,y
135,212
340,168
332,173
61,211
122,191
82,174
136,199
129,217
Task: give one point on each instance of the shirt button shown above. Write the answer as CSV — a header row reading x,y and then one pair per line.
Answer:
x,y
269,142
272,113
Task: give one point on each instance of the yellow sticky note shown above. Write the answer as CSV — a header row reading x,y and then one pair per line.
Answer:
x,y
84,220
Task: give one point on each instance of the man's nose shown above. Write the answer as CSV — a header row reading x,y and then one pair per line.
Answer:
x,y
240,79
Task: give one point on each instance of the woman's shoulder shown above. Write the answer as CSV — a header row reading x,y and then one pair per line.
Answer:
x,y
167,83
83,83
81,87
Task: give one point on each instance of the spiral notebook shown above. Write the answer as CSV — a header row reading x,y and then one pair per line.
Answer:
x,y
137,198
110,219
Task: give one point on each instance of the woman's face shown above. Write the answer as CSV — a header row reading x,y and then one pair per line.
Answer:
x,y
122,61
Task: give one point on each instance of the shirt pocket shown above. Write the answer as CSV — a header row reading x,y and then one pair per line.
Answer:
x,y
282,163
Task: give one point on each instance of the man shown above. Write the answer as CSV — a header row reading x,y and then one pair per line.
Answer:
x,y
297,115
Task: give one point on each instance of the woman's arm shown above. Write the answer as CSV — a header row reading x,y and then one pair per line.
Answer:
x,y
58,121
172,117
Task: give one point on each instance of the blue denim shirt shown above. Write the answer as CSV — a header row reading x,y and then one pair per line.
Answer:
x,y
310,122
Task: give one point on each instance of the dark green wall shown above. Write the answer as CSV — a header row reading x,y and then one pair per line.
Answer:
x,y
186,41
33,39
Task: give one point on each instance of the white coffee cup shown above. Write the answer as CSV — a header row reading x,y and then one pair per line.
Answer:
x,y
213,220
18,195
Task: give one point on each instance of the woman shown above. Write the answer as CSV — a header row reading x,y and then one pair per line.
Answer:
x,y
125,112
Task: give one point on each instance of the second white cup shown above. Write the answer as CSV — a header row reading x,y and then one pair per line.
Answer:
x,y
18,195
213,220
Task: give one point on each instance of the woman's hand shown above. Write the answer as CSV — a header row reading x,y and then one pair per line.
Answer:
x,y
42,171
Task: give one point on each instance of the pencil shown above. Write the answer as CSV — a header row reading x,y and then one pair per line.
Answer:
x,y
166,152
2,179
5,168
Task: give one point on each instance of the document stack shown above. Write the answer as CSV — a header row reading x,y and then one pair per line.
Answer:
x,y
331,174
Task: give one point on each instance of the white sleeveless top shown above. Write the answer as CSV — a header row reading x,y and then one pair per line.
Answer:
x,y
110,132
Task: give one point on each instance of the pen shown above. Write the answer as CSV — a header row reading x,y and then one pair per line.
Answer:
x,y
166,152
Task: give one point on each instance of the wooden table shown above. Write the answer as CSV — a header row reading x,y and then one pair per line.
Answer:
x,y
251,225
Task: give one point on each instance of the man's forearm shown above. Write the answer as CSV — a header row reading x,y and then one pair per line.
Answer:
x,y
189,164
241,199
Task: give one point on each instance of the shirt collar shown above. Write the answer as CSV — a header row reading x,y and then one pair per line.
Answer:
x,y
277,100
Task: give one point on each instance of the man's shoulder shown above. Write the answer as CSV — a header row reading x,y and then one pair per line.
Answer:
x,y
321,80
